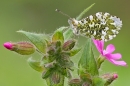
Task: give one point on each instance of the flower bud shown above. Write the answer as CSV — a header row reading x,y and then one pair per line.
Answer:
x,y
51,50
56,77
68,45
23,48
115,76
85,84
109,78
75,82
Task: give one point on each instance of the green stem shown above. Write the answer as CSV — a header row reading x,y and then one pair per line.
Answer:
x,y
85,11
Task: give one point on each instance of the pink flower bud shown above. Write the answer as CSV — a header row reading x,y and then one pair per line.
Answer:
x,y
115,76
109,77
8,45
23,48
68,45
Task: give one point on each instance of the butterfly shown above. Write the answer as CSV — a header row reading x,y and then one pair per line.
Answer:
x,y
100,26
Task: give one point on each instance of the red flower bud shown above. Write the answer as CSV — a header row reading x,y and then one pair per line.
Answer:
x,y
109,78
23,48
68,45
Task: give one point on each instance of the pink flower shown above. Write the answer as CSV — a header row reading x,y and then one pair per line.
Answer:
x,y
113,58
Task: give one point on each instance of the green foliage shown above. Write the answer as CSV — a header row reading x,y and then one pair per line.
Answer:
x,y
74,51
97,81
36,65
47,73
87,60
58,36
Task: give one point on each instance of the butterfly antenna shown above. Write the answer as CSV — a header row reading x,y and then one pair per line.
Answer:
x,y
57,10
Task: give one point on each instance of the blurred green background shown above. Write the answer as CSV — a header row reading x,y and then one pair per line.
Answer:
x,y
40,16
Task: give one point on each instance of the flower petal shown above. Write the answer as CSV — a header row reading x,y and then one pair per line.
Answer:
x,y
110,48
99,45
115,56
121,63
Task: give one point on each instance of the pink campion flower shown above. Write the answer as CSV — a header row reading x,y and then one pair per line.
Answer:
x,y
113,58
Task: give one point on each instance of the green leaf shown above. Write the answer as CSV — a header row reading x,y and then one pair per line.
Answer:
x,y
97,81
85,11
36,65
63,28
58,36
68,34
39,40
47,73
74,51
68,75
87,60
